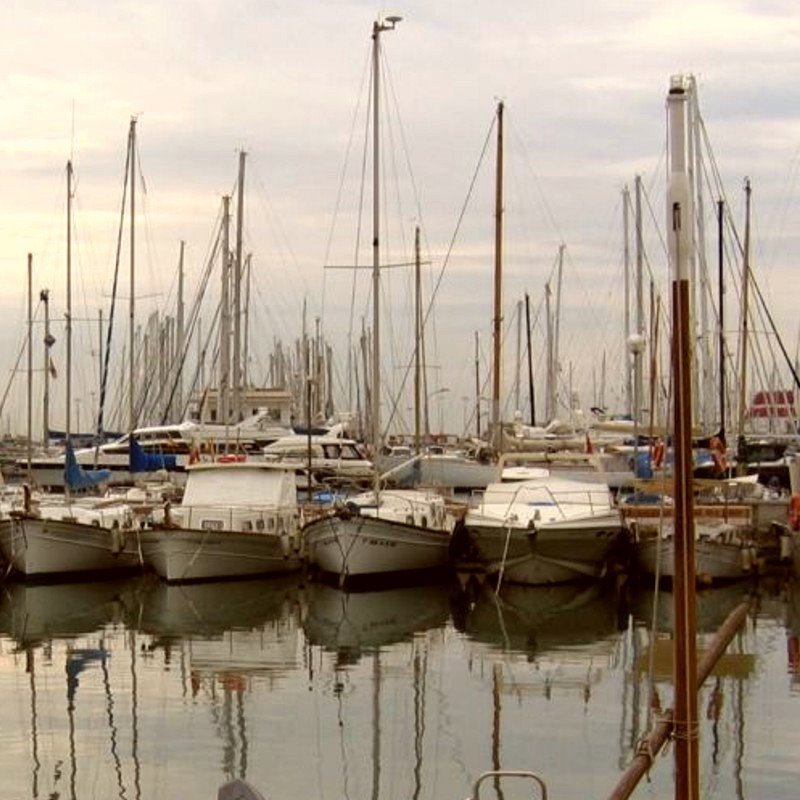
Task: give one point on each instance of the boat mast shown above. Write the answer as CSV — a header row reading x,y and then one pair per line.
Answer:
x,y
498,283
477,384
223,405
246,322
721,265
639,290
417,340
626,260
531,392
679,227
745,312
237,296
29,447
557,333
180,335
132,301
549,405
44,296
68,332
706,384
519,358
378,28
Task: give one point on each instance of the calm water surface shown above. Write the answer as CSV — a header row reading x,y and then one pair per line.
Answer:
x,y
137,690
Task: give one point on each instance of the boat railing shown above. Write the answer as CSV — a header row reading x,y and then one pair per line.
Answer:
x,y
559,499
496,774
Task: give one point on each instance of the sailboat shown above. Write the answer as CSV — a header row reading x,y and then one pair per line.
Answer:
x,y
380,531
51,535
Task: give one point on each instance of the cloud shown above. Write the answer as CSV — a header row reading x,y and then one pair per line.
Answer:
x,y
584,85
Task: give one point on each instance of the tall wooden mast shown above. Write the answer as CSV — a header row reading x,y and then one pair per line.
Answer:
x,y
378,27
68,321
497,317
132,300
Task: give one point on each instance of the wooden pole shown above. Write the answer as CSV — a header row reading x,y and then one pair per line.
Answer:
x,y
679,222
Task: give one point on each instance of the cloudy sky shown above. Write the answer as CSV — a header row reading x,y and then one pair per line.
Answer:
x,y
584,85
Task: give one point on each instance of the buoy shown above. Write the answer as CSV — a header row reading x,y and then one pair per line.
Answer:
x,y
794,512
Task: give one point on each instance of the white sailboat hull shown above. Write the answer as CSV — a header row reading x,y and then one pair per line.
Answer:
x,y
714,560
357,545
194,555
38,547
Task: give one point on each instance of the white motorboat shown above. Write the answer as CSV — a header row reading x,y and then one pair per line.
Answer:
x,y
173,447
445,469
236,519
544,530
334,461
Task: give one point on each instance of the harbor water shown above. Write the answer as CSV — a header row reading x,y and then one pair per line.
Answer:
x,y
136,689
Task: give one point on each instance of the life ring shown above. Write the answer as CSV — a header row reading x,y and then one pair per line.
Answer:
x,y
718,454
794,512
657,456
231,458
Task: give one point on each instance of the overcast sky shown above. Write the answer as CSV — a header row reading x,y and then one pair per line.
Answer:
x,y
584,85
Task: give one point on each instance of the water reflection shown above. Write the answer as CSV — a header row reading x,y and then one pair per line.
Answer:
x,y
42,622
354,623
30,614
228,636
793,634
536,620
137,689
209,609
722,698
652,607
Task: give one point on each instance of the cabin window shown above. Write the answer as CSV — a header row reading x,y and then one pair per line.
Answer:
x,y
259,524
247,526
211,525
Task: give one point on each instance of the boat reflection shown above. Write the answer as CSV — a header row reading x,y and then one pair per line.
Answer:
x,y
352,624
226,637
209,609
72,630
31,614
713,604
372,651
535,620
